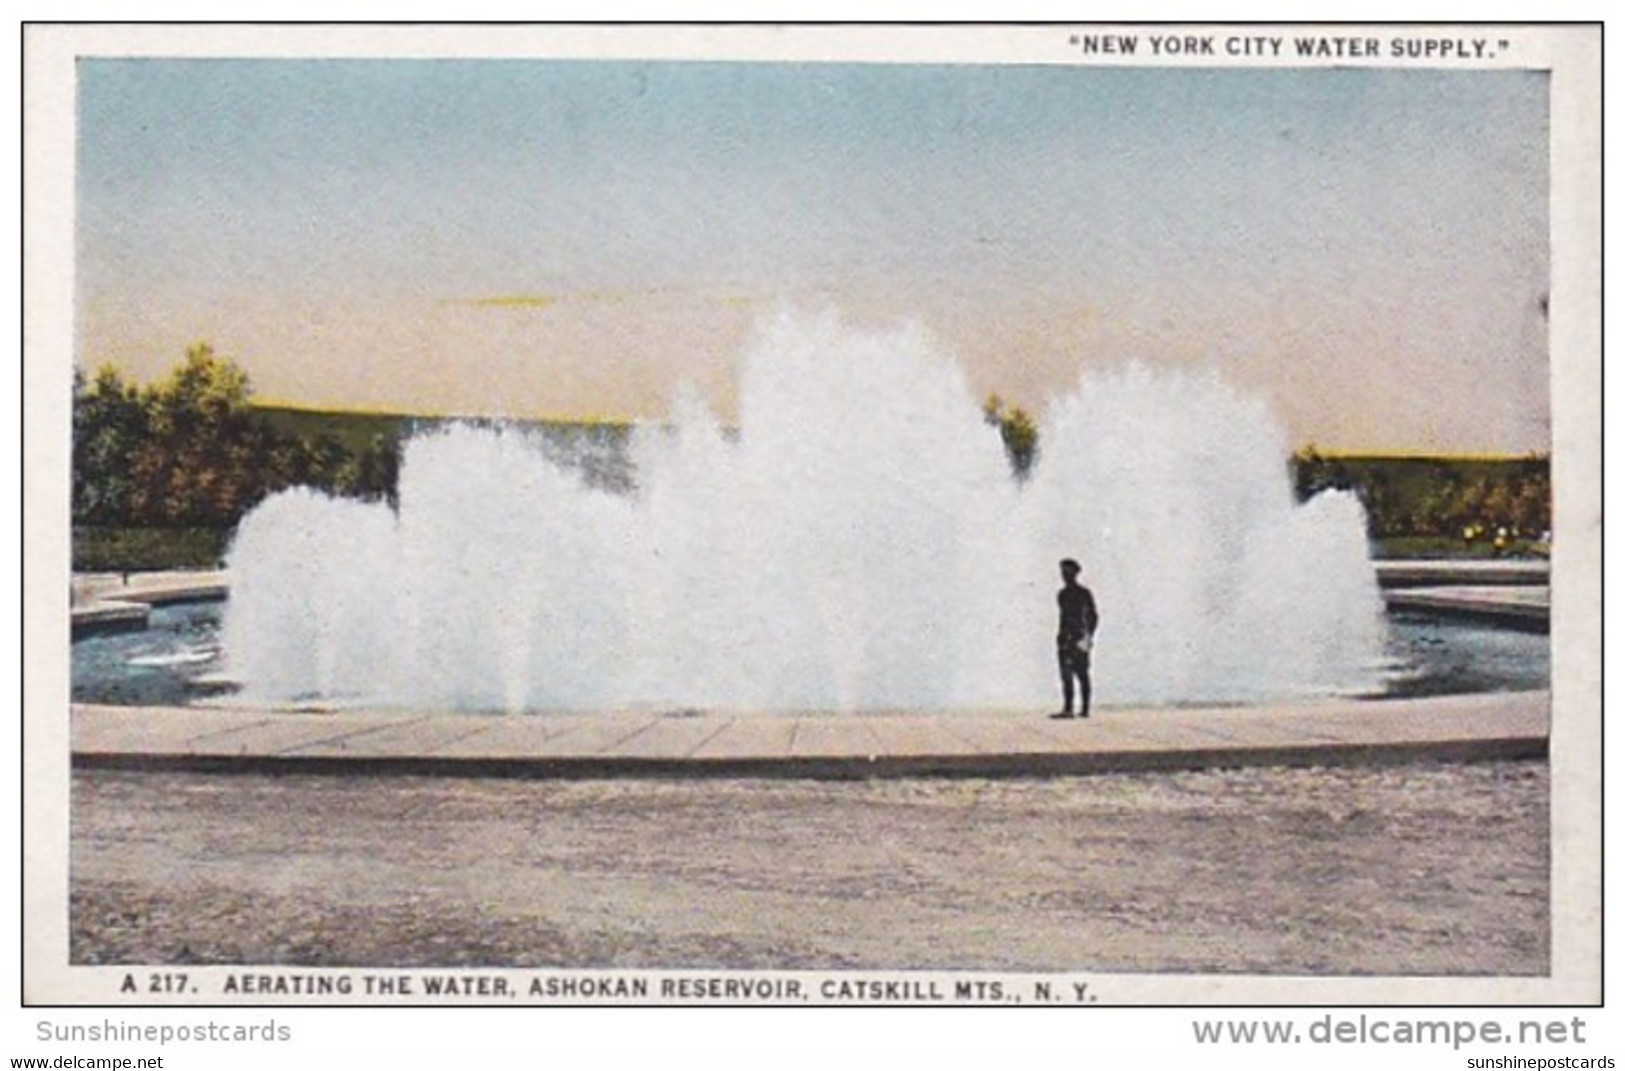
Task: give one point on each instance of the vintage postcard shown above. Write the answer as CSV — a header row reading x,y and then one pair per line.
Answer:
x,y
1077,515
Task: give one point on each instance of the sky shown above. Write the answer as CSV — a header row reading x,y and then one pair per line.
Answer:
x,y
1366,248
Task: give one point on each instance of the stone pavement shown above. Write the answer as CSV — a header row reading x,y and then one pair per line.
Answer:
x,y
688,744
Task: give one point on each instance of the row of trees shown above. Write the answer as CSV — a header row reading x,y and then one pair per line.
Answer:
x,y
189,450
1403,497
1437,497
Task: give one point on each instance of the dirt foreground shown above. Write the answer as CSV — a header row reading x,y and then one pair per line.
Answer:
x,y
1418,869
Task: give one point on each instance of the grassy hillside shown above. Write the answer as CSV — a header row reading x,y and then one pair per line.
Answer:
x,y
353,431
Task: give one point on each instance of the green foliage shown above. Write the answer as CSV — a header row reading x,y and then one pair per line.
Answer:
x,y
354,431
109,418
128,550
1474,506
189,451
1017,429
1459,507
1430,547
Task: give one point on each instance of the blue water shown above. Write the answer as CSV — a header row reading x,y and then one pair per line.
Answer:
x,y
155,667
1456,656
177,657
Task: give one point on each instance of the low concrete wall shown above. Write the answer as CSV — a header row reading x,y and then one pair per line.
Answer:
x,y
113,602
110,617
1393,573
1525,608
1511,725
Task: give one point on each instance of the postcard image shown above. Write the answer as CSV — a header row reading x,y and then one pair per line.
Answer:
x,y
1044,514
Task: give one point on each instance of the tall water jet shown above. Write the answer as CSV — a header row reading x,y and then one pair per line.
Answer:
x,y
858,542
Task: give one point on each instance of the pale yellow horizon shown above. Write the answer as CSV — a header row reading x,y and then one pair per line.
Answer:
x,y
623,358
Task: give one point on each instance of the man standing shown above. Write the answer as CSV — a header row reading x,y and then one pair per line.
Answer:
x,y
1075,638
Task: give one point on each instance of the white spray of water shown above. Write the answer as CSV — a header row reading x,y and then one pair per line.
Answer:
x,y
859,544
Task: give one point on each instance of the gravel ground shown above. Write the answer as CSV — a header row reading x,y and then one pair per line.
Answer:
x,y
1420,869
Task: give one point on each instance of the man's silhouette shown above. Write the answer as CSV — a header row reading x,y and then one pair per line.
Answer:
x,y
1075,638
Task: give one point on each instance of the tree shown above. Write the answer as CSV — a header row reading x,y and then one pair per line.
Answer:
x,y
378,469
1532,506
1019,432
110,420
198,466
1308,475
191,451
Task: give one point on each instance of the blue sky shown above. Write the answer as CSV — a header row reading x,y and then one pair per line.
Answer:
x,y
1366,247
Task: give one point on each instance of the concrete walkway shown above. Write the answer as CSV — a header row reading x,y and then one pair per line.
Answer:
x,y
980,744
1502,725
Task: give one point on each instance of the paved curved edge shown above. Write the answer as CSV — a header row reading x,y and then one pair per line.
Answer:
x,y
100,602
1511,725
